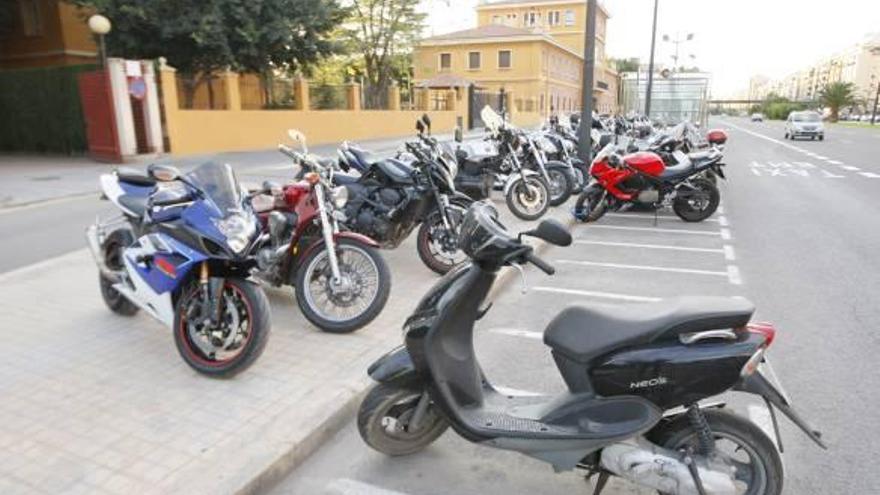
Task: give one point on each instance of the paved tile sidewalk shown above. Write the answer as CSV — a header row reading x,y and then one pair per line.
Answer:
x,y
92,402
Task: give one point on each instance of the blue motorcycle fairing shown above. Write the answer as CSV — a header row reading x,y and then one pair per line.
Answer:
x,y
172,261
134,190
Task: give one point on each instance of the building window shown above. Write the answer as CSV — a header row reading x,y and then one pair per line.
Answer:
x,y
569,18
496,19
504,59
533,19
31,20
474,60
553,18
445,61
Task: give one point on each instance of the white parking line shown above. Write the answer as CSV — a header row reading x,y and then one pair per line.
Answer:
x,y
725,234
733,275
651,246
822,157
850,168
729,254
835,162
650,217
645,268
515,332
722,220
870,175
345,486
597,294
654,229
515,392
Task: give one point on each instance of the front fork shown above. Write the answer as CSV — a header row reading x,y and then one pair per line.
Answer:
x,y
212,290
327,231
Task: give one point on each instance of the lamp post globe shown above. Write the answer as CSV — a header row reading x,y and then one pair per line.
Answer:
x,y
99,24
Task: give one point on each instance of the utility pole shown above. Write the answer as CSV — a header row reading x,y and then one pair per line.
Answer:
x,y
651,63
587,89
876,100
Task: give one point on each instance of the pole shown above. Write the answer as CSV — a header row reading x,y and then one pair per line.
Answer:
x,y
584,145
103,51
651,63
876,100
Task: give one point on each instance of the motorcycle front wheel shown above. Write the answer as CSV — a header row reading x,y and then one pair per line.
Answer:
x,y
698,203
591,204
581,176
344,305
236,341
437,245
384,421
529,198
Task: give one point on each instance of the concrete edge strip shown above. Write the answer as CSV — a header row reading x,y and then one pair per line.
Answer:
x,y
276,471
37,203
43,265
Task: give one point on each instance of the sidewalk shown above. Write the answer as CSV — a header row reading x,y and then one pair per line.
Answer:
x,y
98,403
28,179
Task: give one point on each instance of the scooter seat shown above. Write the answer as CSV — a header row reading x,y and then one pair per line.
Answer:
x,y
583,333
134,176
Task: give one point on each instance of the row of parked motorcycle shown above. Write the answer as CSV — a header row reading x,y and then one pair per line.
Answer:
x,y
188,249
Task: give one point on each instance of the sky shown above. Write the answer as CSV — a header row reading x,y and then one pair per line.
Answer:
x,y
733,39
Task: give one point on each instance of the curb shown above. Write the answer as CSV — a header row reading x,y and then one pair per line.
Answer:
x,y
333,424
32,203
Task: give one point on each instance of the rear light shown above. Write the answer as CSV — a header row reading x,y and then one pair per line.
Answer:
x,y
766,330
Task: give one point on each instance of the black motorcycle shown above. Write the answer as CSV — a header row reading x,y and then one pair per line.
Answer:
x,y
393,196
635,376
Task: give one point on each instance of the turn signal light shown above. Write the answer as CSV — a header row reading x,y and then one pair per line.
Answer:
x,y
312,178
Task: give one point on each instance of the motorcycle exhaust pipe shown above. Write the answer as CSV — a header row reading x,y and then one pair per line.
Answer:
x,y
652,466
94,235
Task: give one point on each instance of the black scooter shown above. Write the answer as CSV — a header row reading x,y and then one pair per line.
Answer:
x,y
635,376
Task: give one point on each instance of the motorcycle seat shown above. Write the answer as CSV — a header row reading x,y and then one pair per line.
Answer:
x,y
134,203
364,157
584,333
344,179
134,176
678,170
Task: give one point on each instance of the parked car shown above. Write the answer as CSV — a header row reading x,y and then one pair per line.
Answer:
x,y
757,117
804,124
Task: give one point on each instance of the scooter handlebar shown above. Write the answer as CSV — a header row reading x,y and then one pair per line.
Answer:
x,y
541,264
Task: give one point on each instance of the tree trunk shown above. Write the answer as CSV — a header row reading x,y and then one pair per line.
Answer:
x,y
835,112
210,80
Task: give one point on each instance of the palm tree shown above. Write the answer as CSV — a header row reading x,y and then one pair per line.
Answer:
x,y
836,95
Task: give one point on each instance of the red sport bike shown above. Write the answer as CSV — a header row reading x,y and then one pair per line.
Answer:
x,y
340,279
643,179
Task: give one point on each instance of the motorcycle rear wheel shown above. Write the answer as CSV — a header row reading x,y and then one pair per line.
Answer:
x,y
383,421
698,205
112,249
561,186
528,199
357,263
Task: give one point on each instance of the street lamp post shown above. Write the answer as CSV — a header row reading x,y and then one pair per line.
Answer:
x,y
588,83
876,101
100,26
651,63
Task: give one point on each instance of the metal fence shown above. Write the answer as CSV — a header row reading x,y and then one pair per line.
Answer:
x,y
257,94
328,97
674,99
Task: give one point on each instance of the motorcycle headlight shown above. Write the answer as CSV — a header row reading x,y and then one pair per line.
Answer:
x,y
340,196
238,230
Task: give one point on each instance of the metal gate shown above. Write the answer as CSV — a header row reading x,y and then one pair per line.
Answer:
x,y
478,99
97,105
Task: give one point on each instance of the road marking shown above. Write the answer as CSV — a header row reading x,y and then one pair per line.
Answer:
x,y
829,175
650,246
835,162
850,168
805,164
649,217
733,275
768,138
515,392
516,332
345,486
722,220
645,268
720,209
654,229
725,234
870,175
597,294
729,254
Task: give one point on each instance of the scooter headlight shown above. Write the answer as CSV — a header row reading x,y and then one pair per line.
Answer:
x,y
238,229
340,197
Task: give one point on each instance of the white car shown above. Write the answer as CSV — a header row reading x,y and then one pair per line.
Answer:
x,y
757,117
804,124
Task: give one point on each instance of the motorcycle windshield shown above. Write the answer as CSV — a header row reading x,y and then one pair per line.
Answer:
x,y
219,184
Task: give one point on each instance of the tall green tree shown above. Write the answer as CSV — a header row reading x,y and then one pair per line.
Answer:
x,y
836,95
383,33
625,64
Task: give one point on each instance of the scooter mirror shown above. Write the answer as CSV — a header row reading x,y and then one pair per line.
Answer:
x,y
298,137
420,127
426,120
552,231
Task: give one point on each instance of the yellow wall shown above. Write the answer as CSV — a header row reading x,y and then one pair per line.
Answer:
x,y
64,39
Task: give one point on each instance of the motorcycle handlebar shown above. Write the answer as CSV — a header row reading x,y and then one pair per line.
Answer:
x,y
541,264
288,151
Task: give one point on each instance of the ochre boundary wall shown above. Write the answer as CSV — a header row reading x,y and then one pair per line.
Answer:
x,y
233,129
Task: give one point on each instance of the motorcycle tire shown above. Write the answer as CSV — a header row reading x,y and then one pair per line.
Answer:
x,y
112,248
682,207
517,193
591,204
397,404
726,427
346,325
561,184
258,314
423,239
581,176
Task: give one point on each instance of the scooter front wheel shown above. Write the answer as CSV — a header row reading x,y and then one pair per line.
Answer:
x,y
385,420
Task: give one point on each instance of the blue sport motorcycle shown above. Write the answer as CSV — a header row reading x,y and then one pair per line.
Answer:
x,y
182,251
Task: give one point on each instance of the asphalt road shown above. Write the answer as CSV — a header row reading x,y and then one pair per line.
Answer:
x,y
797,235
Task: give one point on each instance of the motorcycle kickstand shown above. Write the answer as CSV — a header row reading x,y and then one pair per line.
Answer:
x,y
695,472
601,480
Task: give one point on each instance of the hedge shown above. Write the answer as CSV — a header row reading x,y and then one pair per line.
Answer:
x,y
40,110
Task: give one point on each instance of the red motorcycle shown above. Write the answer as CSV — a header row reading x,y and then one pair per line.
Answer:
x,y
643,179
341,281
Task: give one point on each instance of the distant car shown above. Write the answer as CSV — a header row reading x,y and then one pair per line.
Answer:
x,y
866,118
757,117
804,124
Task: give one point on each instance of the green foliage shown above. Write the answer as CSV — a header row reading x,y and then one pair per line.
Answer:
x,y
625,64
836,95
28,96
777,107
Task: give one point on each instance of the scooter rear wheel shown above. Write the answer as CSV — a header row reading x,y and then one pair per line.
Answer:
x,y
384,416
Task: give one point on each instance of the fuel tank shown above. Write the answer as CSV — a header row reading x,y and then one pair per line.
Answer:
x,y
646,162
672,373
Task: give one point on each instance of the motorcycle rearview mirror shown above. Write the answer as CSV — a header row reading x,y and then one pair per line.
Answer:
x,y
427,121
270,187
298,137
163,173
552,231
459,135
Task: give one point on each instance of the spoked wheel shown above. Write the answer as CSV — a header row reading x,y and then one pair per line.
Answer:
x,y
234,340
740,446
113,247
581,177
529,198
345,305
697,202
437,245
591,204
385,420
561,185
